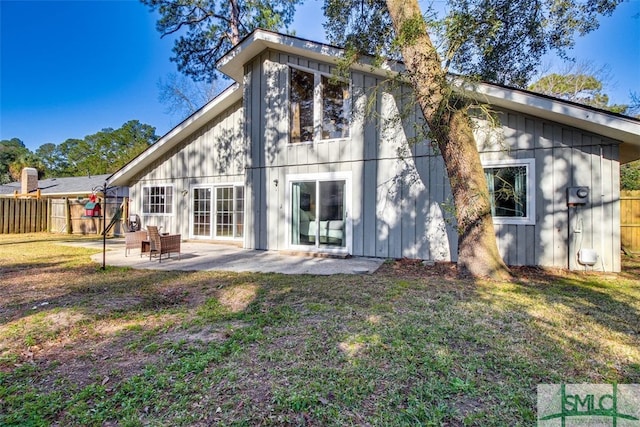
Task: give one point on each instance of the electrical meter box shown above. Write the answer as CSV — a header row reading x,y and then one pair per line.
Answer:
x,y
577,196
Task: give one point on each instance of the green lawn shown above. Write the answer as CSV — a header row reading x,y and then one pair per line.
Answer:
x,y
409,345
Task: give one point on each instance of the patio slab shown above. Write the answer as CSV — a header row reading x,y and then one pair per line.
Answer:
x,y
200,256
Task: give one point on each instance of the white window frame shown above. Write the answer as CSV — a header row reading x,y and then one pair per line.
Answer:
x,y
318,177
214,201
191,211
172,205
530,165
233,203
318,110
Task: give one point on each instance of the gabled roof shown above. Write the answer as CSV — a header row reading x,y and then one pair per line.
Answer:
x,y
67,186
232,63
610,125
224,100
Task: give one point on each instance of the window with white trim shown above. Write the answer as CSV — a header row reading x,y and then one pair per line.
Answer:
x,y
319,106
511,188
157,200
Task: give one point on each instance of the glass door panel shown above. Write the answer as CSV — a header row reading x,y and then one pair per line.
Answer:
x,y
202,212
239,212
303,230
331,230
224,212
318,214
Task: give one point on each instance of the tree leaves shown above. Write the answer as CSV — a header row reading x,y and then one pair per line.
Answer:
x,y
500,41
581,88
207,29
11,151
103,152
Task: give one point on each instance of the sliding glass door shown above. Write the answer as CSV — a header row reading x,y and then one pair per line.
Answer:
x,y
319,213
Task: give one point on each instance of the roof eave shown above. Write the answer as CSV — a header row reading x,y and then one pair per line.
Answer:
x,y
232,64
620,128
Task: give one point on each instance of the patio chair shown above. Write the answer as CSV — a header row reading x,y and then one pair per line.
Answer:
x,y
133,240
162,244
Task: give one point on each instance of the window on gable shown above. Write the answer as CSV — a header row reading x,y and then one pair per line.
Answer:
x,y
319,106
334,109
511,186
301,106
157,200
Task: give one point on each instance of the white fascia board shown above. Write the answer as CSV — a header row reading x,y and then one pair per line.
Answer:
x,y
176,135
620,128
232,64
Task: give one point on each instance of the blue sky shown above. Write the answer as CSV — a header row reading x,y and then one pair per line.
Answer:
x,y
71,68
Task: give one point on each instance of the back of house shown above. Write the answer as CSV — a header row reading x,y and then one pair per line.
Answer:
x,y
292,158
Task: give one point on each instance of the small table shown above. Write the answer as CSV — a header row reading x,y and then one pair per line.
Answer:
x,y
145,247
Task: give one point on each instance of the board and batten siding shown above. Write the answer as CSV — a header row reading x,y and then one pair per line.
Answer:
x,y
398,190
564,157
214,154
401,204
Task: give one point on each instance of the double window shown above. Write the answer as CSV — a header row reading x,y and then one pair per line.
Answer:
x,y
511,188
319,106
157,200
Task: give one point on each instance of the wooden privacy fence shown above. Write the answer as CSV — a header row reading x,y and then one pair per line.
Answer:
x,y
630,220
58,216
67,216
23,215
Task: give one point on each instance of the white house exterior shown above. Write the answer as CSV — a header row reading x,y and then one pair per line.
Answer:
x,y
286,159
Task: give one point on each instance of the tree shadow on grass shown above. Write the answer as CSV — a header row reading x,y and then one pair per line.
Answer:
x,y
401,344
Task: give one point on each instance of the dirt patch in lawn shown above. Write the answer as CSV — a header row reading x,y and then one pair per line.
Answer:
x,y
415,268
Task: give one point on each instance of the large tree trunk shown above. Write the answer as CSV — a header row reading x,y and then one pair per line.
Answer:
x,y
234,22
450,127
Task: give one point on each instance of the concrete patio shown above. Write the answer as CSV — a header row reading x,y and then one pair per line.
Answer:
x,y
200,256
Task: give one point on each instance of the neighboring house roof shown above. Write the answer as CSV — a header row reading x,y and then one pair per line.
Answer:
x,y
68,186
614,126
8,189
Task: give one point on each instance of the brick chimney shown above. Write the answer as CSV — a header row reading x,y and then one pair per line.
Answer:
x,y
29,180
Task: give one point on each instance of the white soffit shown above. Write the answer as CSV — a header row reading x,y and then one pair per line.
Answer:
x,y
232,64
617,127
176,135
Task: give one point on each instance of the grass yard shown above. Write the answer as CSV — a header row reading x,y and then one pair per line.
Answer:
x,y
409,345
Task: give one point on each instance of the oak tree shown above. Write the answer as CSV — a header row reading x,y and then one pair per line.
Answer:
x,y
494,40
